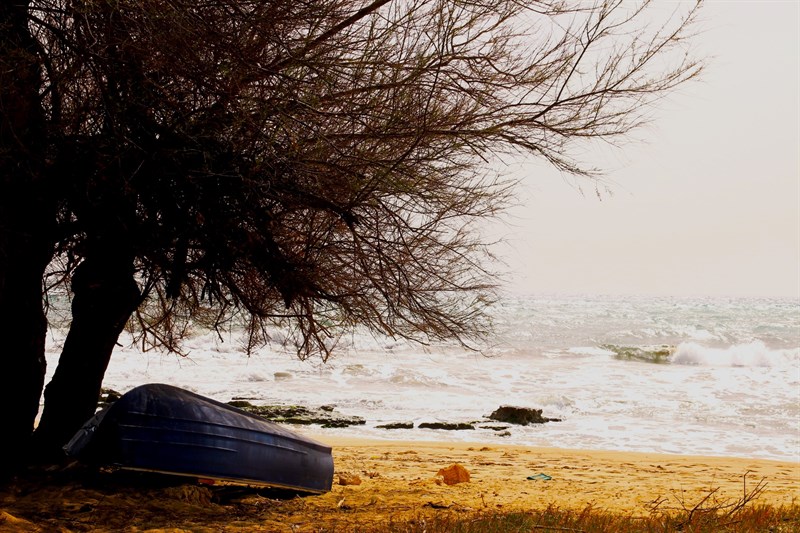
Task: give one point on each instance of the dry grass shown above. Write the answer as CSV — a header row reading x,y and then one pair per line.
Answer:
x,y
590,492
753,519
709,514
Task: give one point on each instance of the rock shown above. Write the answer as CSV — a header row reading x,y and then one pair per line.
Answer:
x,y
297,414
107,397
659,354
521,416
454,474
346,478
446,425
241,404
282,376
397,425
343,422
495,428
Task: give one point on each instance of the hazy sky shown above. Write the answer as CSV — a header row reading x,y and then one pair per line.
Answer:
x,y
708,203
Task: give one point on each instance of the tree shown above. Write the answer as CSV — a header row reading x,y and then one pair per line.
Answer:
x,y
313,165
26,220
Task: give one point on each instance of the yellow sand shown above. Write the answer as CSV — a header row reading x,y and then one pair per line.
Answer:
x,y
405,478
399,481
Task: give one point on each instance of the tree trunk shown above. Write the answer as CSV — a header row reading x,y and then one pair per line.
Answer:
x,y
23,328
27,218
105,295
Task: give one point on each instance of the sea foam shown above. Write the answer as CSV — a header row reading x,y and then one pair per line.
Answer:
x,y
693,376
753,354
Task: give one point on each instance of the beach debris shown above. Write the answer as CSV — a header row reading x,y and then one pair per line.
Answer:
x,y
191,494
12,523
540,476
453,474
439,505
458,426
397,425
346,478
521,416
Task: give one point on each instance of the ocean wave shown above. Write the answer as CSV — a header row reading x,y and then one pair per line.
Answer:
x,y
753,354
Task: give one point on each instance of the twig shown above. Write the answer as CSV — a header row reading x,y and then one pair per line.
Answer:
x,y
555,528
729,508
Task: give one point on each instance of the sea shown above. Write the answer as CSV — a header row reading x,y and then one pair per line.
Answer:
x,y
691,376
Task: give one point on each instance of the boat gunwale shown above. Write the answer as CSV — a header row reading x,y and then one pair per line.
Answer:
x,y
227,480
215,435
281,433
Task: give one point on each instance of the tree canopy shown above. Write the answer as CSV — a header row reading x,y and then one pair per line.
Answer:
x,y
315,164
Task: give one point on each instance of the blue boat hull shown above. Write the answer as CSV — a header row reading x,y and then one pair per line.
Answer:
x,y
166,429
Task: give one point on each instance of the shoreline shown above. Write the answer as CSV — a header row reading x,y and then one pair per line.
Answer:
x,y
347,438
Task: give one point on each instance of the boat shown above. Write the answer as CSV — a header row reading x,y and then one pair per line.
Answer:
x,y
168,430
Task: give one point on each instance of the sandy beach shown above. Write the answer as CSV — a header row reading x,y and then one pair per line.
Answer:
x,y
398,481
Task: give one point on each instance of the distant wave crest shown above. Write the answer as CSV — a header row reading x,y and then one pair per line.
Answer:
x,y
751,354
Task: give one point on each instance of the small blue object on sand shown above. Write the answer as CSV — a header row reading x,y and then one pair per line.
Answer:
x,y
543,477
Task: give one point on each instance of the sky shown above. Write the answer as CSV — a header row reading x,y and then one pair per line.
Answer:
x,y
704,202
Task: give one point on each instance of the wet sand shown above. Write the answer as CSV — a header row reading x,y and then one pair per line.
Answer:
x,y
398,481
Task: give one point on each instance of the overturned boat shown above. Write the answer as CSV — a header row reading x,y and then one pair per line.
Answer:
x,y
165,429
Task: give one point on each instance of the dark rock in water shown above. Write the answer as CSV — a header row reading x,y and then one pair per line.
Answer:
x,y
397,425
107,397
521,416
297,414
446,425
241,404
344,421
658,354
495,428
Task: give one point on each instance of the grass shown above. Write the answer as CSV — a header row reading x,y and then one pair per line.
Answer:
x,y
89,503
753,519
709,514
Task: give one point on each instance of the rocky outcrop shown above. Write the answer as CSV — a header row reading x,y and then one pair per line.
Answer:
x,y
457,426
107,397
298,414
397,425
521,416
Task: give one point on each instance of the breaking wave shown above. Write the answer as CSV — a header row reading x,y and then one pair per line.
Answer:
x,y
753,354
